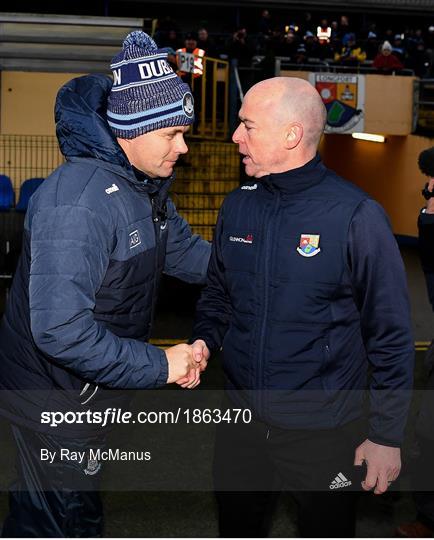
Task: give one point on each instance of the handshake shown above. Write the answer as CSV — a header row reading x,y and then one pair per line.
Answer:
x,y
186,362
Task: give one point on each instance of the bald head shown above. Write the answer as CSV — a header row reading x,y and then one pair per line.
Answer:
x,y
282,120
289,99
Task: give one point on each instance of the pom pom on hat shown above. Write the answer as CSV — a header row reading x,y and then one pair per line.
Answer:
x,y
139,39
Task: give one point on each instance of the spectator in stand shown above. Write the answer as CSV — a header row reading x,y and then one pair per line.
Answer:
x,y
335,33
307,24
265,24
420,62
398,48
265,34
206,43
335,39
170,42
345,27
287,46
351,53
324,32
413,39
166,34
301,55
386,61
190,46
311,45
173,41
388,35
429,44
429,39
240,48
372,46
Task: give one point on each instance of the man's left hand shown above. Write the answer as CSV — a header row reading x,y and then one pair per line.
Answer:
x,y
383,465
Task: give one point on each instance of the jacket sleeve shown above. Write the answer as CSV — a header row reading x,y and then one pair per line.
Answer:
x,y
426,251
187,254
214,309
70,247
380,289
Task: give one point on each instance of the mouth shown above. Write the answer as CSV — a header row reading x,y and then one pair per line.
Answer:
x,y
246,158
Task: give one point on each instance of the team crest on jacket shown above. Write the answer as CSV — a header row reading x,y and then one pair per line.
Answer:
x,y
309,245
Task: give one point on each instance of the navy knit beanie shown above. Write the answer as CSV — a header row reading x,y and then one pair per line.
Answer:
x,y
146,94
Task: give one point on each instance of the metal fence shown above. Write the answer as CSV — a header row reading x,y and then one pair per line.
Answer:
x,y
423,111
28,156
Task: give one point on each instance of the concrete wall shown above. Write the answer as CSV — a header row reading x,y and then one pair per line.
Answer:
x,y
388,172
27,101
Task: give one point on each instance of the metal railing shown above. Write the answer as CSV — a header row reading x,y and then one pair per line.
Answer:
x,y
423,109
315,64
211,94
28,156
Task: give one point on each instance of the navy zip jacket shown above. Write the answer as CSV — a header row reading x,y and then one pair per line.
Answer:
x,y
97,238
306,289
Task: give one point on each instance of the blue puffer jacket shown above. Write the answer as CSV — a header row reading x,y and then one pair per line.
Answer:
x,y
300,325
97,239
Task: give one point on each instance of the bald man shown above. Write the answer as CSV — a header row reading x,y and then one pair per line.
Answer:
x,y
306,294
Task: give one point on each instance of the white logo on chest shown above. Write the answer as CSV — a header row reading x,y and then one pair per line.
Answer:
x,y
112,189
135,239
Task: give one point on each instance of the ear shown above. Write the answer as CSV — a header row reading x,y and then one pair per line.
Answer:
x,y
294,134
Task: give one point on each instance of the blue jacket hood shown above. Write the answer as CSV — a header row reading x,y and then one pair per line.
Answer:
x,y
81,126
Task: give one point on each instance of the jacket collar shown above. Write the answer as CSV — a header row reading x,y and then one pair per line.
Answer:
x,y
295,180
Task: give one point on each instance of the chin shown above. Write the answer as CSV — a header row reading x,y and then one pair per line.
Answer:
x,y
165,172
249,171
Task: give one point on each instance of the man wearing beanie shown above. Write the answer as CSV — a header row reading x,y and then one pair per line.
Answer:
x,y
98,235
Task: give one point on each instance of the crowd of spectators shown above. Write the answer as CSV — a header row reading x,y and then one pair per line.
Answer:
x,y
306,42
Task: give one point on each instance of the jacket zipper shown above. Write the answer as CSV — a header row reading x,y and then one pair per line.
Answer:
x,y
268,252
157,230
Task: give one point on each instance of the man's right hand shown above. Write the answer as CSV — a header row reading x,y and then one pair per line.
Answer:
x,y
181,362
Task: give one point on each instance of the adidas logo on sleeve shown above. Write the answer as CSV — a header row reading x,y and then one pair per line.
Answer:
x,y
340,482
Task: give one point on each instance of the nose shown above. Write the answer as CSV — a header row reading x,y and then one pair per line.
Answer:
x,y
236,137
181,147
